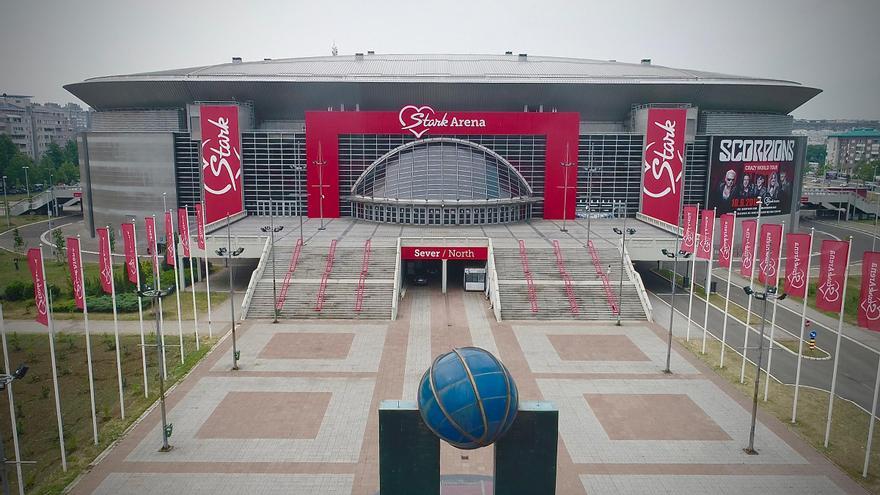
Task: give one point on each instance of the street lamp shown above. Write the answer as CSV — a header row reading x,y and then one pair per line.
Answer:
x,y
299,170
6,379
27,185
271,229
156,295
623,233
589,169
769,293
6,203
566,165
674,256
229,253
320,162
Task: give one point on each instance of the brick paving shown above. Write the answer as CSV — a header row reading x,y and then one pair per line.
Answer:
x,y
301,414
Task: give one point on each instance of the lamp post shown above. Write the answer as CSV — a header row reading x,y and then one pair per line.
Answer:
x,y
674,256
566,165
589,169
874,237
27,185
6,203
229,254
622,233
299,170
6,379
156,295
320,162
769,293
49,203
271,229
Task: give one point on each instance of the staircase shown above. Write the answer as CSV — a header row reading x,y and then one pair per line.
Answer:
x,y
553,300
340,294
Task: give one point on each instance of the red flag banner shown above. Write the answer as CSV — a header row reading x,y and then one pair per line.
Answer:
x,y
128,243
35,262
221,161
707,233
169,239
690,229
768,253
150,224
749,231
725,252
797,256
869,302
663,161
200,225
832,265
104,261
76,275
183,228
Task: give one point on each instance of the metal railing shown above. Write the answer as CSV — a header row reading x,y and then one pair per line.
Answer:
x,y
255,277
294,260
609,292
359,298
492,280
319,303
524,259
640,286
566,279
395,294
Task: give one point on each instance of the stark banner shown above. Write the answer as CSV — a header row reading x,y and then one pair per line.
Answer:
x,y
200,225
221,161
869,302
770,244
689,237
832,264
797,253
725,252
150,225
707,232
183,230
749,228
663,161
35,263
170,255
131,263
104,262
76,276
744,169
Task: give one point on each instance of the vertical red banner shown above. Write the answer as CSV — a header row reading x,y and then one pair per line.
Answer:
x,y
832,265
707,234
749,232
221,161
690,219
663,161
797,256
150,224
869,302
104,261
128,244
76,275
725,252
200,225
183,229
169,239
768,253
35,263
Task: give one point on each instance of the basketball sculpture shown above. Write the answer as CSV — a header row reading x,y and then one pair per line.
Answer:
x,y
468,398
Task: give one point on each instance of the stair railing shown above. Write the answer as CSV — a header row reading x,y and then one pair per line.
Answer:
x,y
328,267
533,295
609,292
294,260
359,297
566,279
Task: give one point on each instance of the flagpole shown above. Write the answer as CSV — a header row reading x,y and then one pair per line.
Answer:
x,y
871,416
11,406
837,345
192,274
173,242
158,278
115,327
207,272
727,296
51,322
709,280
88,342
797,375
773,317
693,270
742,372
140,305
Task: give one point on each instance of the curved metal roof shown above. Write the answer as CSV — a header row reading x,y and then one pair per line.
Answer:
x,y
565,83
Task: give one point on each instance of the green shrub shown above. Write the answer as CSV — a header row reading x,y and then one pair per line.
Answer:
x,y
16,291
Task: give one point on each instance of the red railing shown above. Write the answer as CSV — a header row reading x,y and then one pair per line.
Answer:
x,y
359,299
294,259
566,279
609,293
319,304
533,296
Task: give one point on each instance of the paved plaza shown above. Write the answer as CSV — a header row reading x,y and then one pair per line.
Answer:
x,y
301,415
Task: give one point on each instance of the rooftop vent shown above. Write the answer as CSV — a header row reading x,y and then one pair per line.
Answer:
x,y
508,53
266,59
358,56
236,60
523,56
370,52
646,61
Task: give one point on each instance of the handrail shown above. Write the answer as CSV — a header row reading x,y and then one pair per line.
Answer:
x,y
328,267
566,279
256,275
533,296
395,294
359,298
609,292
294,260
492,279
640,286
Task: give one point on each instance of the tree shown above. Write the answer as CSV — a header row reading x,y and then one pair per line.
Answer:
x,y
8,149
71,153
17,241
865,171
816,153
68,173
58,237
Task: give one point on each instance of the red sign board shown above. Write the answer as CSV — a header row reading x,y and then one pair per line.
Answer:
x,y
444,253
77,194
221,161
663,163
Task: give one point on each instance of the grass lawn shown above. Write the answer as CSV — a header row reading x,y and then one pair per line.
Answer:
x,y
849,427
18,221
35,403
792,345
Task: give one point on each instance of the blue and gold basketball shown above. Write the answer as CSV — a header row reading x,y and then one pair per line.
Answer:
x,y
468,398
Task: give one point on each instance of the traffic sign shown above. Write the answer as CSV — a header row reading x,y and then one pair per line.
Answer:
x,y
813,334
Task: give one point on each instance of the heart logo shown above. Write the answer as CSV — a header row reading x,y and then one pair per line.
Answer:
x,y
412,119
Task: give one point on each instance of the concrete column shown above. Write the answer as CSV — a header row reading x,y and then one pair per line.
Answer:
x,y
525,457
409,453
444,276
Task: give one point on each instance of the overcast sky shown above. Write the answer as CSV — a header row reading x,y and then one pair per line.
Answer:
x,y
832,45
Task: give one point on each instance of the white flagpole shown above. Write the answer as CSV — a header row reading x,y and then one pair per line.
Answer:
x,y
173,242
872,418
11,406
82,274
140,306
742,371
116,329
709,281
207,274
157,272
837,345
54,366
693,270
773,318
727,296
192,280
797,375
